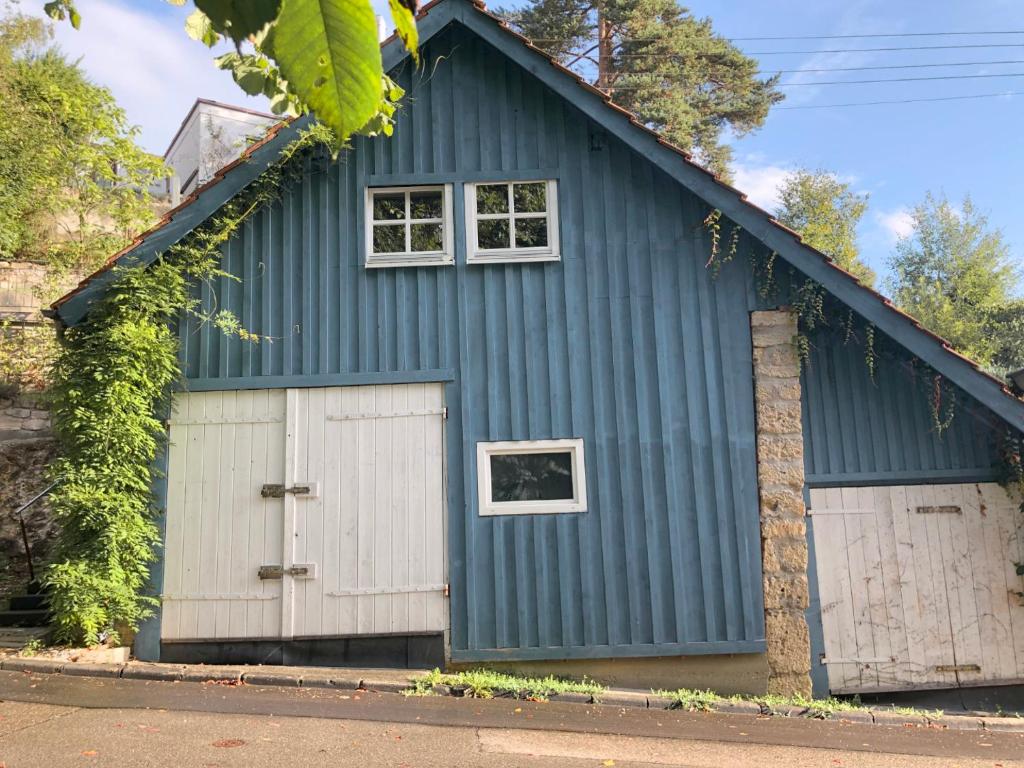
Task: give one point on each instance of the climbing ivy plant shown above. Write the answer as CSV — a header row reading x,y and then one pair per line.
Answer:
x,y
111,388
816,310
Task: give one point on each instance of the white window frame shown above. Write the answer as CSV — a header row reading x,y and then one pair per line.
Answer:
x,y
475,254
573,446
410,258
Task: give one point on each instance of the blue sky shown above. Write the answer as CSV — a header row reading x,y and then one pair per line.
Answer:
x,y
895,153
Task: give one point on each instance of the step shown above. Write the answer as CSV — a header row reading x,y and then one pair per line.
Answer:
x,y
31,618
27,602
19,637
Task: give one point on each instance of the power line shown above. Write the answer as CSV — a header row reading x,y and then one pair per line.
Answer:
x,y
902,79
813,37
893,66
882,34
668,76
821,50
907,101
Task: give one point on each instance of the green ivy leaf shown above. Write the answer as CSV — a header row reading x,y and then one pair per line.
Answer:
x,y
238,19
58,10
405,25
328,52
199,27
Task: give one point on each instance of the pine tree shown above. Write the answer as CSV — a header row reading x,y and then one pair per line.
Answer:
x,y
826,212
658,60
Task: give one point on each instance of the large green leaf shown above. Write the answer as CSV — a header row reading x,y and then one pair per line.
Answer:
x,y
328,52
240,18
405,25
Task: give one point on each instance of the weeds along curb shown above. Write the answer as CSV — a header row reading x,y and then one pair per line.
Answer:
x,y
354,680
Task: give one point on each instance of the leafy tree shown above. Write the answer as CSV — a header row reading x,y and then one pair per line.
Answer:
x,y
955,275
661,62
304,55
72,180
826,212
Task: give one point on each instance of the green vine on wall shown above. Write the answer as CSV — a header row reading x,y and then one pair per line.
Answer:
x,y
816,309
111,385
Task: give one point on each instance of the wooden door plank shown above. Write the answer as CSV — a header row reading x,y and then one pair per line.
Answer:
x,y
367,508
915,664
829,536
967,626
436,518
333,510
416,534
858,586
874,591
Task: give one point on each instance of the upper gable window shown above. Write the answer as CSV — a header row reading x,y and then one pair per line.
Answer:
x,y
512,221
408,226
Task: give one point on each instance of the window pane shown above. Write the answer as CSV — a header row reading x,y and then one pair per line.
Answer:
x,y
492,198
425,205
531,233
389,238
389,206
530,198
493,233
426,237
531,476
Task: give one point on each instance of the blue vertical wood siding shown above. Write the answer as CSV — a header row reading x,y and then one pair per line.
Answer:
x,y
627,342
863,432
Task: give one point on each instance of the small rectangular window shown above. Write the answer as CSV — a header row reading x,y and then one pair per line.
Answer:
x,y
531,477
409,226
512,221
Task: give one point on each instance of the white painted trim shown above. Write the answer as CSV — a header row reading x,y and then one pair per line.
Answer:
x,y
410,258
573,446
476,255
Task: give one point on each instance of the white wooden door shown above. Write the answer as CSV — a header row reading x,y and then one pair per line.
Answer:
x,y
223,447
918,586
357,540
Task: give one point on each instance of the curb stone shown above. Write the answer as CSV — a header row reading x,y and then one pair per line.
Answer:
x,y
93,669
211,674
739,708
573,698
382,687
852,716
1005,724
284,679
628,699
893,718
147,671
959,723
46,666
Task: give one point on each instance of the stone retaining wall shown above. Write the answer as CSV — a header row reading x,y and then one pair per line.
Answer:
x,y
780,479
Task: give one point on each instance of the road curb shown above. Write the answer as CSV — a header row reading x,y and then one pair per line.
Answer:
x,y
358,680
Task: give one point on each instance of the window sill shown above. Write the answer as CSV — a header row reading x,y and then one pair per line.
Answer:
x,y
409,261
512,257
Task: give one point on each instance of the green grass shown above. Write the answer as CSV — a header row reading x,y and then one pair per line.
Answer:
x,y
819,709
485,684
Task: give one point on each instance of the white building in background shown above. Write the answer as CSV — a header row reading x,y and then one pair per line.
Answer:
x,y
211,136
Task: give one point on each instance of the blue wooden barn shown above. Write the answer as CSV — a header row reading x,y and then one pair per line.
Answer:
x,y
539,394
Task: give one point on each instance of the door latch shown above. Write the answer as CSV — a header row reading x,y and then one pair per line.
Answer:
x,y
278,491
298,571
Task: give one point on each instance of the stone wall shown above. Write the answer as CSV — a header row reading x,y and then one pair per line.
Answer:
x,y
23,465
26,449
23,416
780,479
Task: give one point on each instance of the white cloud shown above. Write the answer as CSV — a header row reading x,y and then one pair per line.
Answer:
x,y
153,68
760,182
897,223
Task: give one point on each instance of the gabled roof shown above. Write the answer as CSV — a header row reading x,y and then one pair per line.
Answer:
x,y
438,14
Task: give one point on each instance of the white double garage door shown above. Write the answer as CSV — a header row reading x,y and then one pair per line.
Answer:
x,y
305,513
919,586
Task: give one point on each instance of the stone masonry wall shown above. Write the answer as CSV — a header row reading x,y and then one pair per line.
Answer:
x,y
780,479
22,416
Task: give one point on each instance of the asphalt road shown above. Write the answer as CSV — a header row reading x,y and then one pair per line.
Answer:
x,y
56,721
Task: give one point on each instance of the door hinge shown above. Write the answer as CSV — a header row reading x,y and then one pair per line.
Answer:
x,y
278,491
298,571
444,413
958,668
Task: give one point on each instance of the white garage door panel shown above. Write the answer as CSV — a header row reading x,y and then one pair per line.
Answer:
x,y
917,600
224,447
378,527
373,532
